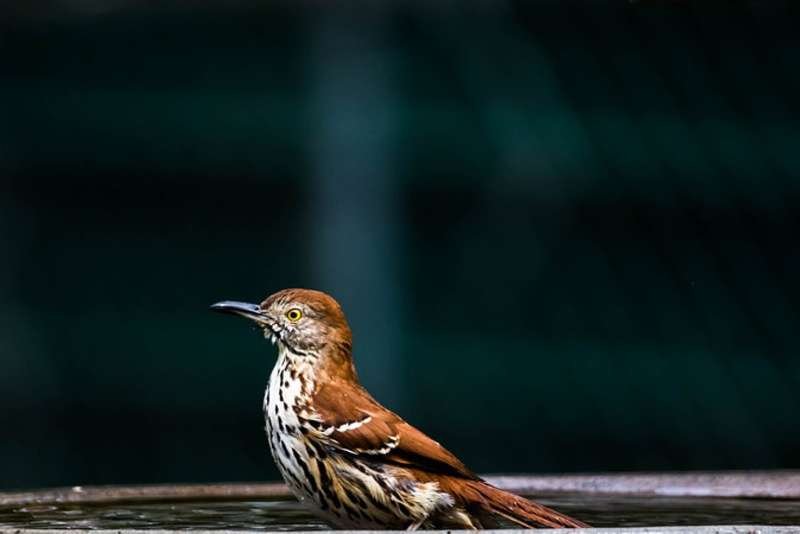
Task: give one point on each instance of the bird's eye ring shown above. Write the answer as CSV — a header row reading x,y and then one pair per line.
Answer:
x,y
294,315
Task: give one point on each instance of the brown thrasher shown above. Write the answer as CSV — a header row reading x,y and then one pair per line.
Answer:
x,y
357,464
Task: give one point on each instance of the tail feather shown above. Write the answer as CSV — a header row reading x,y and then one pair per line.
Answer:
x,y
514,508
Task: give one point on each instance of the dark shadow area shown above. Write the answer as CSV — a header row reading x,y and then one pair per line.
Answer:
x,y
565,234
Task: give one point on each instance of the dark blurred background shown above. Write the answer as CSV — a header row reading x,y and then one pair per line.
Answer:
x,y
565,233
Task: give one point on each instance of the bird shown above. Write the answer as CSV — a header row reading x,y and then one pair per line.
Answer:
x,y
353,462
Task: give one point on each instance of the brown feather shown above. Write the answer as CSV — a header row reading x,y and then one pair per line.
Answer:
x,y
339,403
512,507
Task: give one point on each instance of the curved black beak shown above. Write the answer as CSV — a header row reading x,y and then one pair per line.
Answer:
x,y
245,309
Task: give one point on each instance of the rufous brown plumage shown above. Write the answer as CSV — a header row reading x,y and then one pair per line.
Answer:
x,y
355,463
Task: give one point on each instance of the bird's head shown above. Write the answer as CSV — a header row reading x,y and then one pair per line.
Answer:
x,y
304,322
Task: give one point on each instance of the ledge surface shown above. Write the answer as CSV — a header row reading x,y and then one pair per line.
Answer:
x,y
743,484
721,529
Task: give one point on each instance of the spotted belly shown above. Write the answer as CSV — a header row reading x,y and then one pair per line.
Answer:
x,y
343,489
350,493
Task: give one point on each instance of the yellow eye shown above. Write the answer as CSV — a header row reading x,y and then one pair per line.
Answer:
x,y
294,315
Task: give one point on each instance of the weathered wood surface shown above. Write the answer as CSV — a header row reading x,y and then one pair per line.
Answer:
x,y
720,529
747,484
751,484
147,493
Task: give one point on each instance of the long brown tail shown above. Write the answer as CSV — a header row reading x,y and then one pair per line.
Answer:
x,y
513,508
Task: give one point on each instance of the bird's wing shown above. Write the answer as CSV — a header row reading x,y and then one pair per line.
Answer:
x,y
348,418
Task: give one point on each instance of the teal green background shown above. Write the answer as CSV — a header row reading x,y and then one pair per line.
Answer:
x,y
565,233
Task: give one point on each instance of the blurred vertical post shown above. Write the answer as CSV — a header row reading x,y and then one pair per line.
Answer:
x,y
354,202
